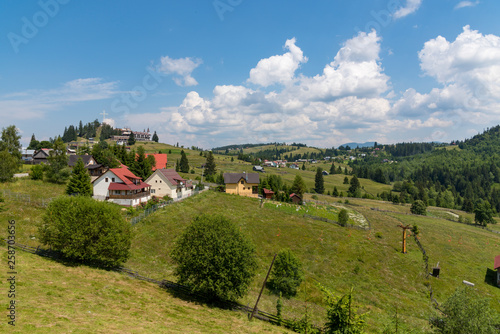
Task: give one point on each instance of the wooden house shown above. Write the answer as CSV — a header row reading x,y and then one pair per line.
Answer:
x,y
244,184
268,194
41,156
295,198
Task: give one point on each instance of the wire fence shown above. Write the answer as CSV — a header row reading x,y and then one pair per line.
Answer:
x,y
27,198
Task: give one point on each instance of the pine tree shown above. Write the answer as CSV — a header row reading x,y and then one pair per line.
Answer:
x,y
79,183
210,167
335,191
184,163
299,187
355,188
332,169
155,137
177,167
142,165
319,182
131,139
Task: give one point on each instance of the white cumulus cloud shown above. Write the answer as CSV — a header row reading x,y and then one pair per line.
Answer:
x,y
280,68
463,4
180,68
411,7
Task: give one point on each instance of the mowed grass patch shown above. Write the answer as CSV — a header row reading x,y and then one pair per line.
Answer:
x,y
53,298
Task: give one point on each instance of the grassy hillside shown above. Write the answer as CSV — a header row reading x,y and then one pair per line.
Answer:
x,y
370,261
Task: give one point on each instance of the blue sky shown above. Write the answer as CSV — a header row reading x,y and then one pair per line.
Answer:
x,y
212,73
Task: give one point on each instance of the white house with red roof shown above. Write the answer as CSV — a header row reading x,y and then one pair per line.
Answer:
x,y
121,186
168,182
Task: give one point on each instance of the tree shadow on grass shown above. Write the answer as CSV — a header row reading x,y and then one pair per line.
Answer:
x,y
490,277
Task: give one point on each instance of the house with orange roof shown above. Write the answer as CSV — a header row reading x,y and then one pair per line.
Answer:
x,y
121,186
167,182
161,160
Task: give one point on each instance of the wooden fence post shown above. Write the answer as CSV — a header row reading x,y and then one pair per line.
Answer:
x,y
263,285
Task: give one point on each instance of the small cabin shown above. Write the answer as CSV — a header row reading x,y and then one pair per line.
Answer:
x,y
295,198
497,268
268,194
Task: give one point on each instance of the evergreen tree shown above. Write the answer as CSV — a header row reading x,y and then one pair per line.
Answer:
x,y
335,191
319,182
332,169
57,169
303,166
131,139
210,167
79,183
177,166
355,188
141,166
155,137
34,144
184,163
298,187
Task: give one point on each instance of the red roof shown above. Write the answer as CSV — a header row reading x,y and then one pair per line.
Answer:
x,y
267,191
172,176
497,262
128,178
161,160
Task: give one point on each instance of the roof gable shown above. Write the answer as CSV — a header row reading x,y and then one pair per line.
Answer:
x,y
125,175
87,160
171,176
236,177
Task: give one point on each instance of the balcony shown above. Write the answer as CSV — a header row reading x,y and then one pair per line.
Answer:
x,y
130,196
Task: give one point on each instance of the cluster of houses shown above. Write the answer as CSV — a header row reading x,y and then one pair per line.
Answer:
x,y
125,134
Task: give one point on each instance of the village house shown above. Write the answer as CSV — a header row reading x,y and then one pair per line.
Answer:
x,y
160,159
138,135
244,184
41,156
258,169
295,198
268,194
95,170
27,155
121,186
497,268
167,182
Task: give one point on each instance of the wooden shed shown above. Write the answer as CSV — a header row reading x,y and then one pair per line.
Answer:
x,y
268,194
295,198
497,268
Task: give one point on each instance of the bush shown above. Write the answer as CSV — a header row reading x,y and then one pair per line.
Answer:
x,y
418,208
83,229
343,217
37,172
213,257
286,275
466,312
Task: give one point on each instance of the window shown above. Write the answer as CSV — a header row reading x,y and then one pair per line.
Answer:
x,y
255,190
113,179
156,181
152,191
106,180
242,182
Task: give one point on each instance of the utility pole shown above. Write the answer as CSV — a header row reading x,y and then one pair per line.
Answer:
x,y
263,285
407,227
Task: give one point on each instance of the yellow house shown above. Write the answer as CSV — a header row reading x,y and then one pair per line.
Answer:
x,y
244,184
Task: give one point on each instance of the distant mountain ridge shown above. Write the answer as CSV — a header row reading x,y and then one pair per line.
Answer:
x,y
360,145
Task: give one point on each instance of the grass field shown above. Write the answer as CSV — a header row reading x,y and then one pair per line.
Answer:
x,y
61,297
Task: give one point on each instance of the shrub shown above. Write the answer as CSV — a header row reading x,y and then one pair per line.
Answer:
x,y
343,217
286,275
466,312
37,172
83,229
213,257
418,208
